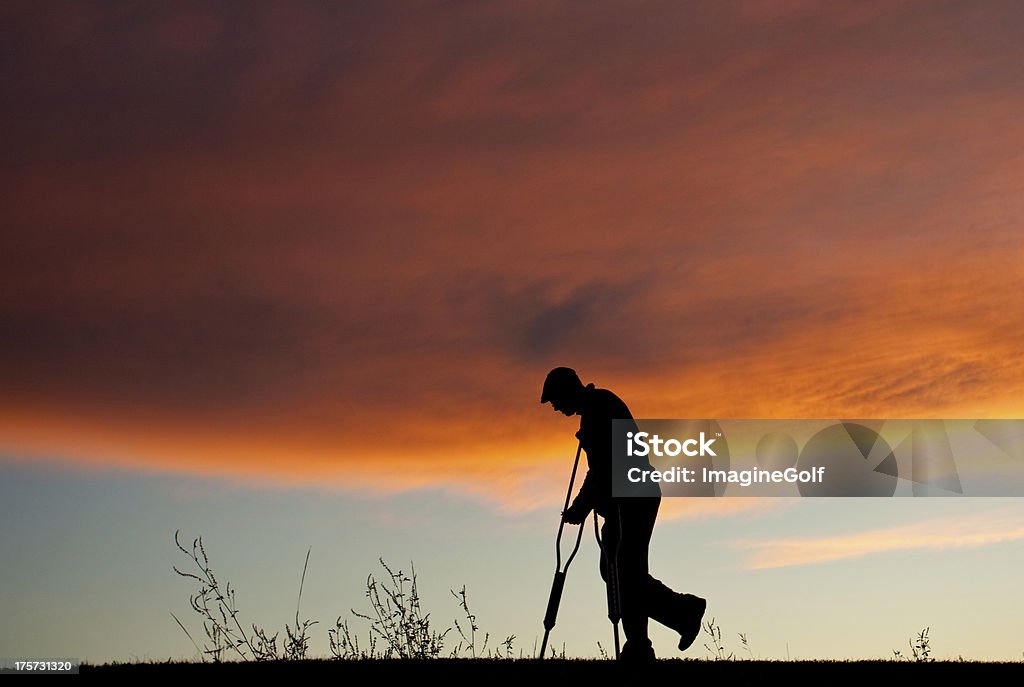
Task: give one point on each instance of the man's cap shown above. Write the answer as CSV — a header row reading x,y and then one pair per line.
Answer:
x,y
558,382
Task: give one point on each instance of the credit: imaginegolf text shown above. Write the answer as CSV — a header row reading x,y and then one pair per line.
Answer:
x,y
742,477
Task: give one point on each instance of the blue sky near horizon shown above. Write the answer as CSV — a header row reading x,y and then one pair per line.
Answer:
x,y
88,571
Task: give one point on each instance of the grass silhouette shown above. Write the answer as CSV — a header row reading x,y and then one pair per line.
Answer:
x,y
217,607
398,626
402,635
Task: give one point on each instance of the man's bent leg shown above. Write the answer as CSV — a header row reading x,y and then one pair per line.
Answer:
x,y
679,612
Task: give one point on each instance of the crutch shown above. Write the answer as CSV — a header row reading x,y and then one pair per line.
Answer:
x,y
559,582
612,583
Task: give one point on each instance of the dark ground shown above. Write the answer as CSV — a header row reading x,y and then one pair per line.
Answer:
x,y
757,673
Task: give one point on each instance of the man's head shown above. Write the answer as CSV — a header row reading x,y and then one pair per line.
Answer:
x,y
564,390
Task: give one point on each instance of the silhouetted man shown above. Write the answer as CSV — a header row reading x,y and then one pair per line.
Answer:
x,y
628,522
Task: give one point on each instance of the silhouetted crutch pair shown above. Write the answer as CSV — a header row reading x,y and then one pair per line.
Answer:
x,y
611,564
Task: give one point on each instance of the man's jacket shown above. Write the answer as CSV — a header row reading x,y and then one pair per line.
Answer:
x,y
600,407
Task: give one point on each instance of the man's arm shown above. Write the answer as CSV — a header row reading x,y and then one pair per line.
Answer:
x,y
583,503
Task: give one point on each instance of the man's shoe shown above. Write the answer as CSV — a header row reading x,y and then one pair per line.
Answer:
x,y
696,607
637,652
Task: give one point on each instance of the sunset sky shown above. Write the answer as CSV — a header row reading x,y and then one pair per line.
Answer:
x,y
291,274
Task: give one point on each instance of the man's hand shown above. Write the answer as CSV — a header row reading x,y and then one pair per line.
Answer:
x,y
575,514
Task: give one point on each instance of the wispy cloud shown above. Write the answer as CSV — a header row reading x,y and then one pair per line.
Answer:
x,y
704,508
936,535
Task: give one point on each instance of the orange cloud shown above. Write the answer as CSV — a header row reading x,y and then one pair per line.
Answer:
x,y
339,247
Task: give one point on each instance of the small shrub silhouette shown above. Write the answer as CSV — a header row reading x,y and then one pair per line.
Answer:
x,y
397,618
400,629
217,606
716,648
920,649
